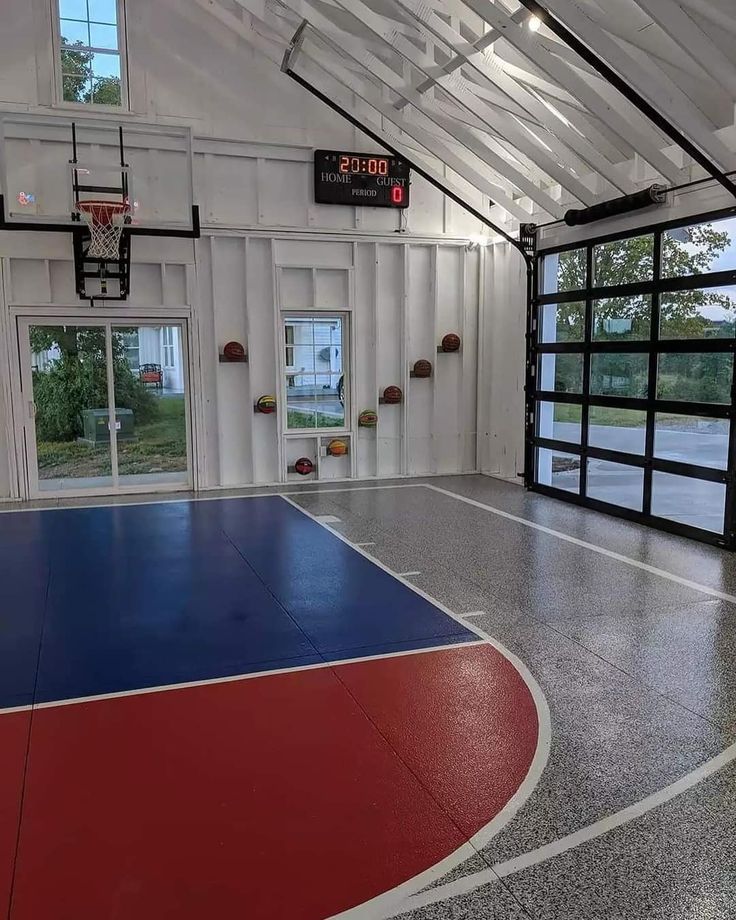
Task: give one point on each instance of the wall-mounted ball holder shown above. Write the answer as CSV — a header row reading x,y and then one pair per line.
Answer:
x,y
450,344
265,405
234,353
304,466
422,369
392,396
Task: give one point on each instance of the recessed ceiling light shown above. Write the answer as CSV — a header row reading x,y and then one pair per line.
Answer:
x,y
534,22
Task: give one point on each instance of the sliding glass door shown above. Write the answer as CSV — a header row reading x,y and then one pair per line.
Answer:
x,y
105,406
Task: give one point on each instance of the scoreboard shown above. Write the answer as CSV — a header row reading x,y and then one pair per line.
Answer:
x,y
372,180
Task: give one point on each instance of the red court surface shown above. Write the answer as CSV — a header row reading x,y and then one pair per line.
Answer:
x,y
294,795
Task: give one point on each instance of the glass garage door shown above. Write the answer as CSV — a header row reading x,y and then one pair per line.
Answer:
x,y
631,370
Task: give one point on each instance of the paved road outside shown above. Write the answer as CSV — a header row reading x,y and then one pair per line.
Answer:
x,y
689,501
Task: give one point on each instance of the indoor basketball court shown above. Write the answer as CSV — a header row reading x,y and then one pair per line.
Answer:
x,y
367,459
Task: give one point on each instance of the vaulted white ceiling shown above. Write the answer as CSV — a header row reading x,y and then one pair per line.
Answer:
x,y
509,114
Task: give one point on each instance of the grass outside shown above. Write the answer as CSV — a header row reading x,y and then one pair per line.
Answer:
x,y
297,419
160,446
620,418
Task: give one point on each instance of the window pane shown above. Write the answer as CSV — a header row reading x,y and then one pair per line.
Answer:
x,y
624,261
103,11
106,91
692,439
617,429
562,322
105,65
103,36
315,383
709,247
564,271
73,33
689,501
707,313
559,421
559,470
695,377
620,319
616,483
562,373
73,9
619,375
76,88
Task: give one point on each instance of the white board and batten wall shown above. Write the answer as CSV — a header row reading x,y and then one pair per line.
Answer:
x,y
265,247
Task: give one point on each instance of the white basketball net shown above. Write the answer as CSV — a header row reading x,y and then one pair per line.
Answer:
x,y
105,221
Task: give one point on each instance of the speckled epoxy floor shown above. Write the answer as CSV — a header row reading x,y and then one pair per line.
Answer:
x,y
640,676
639,672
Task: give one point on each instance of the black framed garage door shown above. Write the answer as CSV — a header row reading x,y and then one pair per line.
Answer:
x,y
630,376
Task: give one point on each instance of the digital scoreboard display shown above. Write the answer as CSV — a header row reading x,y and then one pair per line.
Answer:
x,y
375,181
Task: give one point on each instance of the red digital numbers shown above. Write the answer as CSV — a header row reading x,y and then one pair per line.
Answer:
x,y
397,194
373,166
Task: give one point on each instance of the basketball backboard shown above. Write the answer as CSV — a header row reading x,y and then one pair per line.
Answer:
x,y
36,175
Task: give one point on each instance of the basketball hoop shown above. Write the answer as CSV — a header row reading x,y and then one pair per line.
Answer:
x,y
105,220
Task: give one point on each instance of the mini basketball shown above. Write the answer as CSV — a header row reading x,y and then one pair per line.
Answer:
x,y
266,404
422,368
392,395
451,342
368,418
234,351
337,448
304,466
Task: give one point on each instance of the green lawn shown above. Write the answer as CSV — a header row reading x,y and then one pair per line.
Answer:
x,y
160,446
297,419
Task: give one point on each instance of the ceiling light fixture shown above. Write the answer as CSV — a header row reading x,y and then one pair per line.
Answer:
x,y
534,22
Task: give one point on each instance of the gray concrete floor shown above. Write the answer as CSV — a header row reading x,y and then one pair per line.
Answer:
x,y
638,669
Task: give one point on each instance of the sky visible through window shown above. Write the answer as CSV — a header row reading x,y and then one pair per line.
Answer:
x,y
90,51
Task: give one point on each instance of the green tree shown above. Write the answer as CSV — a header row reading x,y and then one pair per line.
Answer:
x,y
77,380
76,69
631,260
682,313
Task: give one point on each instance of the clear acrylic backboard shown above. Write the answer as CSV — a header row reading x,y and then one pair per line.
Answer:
x,y
36,177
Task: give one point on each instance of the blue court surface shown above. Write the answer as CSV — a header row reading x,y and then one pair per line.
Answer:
x,y
193,694
149,595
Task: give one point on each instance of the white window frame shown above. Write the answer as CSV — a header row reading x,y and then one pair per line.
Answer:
x,y
122,52
318,315
168,347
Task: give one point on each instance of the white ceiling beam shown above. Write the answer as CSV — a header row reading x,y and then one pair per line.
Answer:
x,y
570,146
663,94
437,150
494,158
708,10
497,122
523,40
672,19
343,45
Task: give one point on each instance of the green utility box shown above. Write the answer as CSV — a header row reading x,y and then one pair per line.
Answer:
x,y
97,429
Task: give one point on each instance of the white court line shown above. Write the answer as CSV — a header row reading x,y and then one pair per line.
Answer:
x,y
250,675
564,844
408,574
205,498
653,570
378,905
